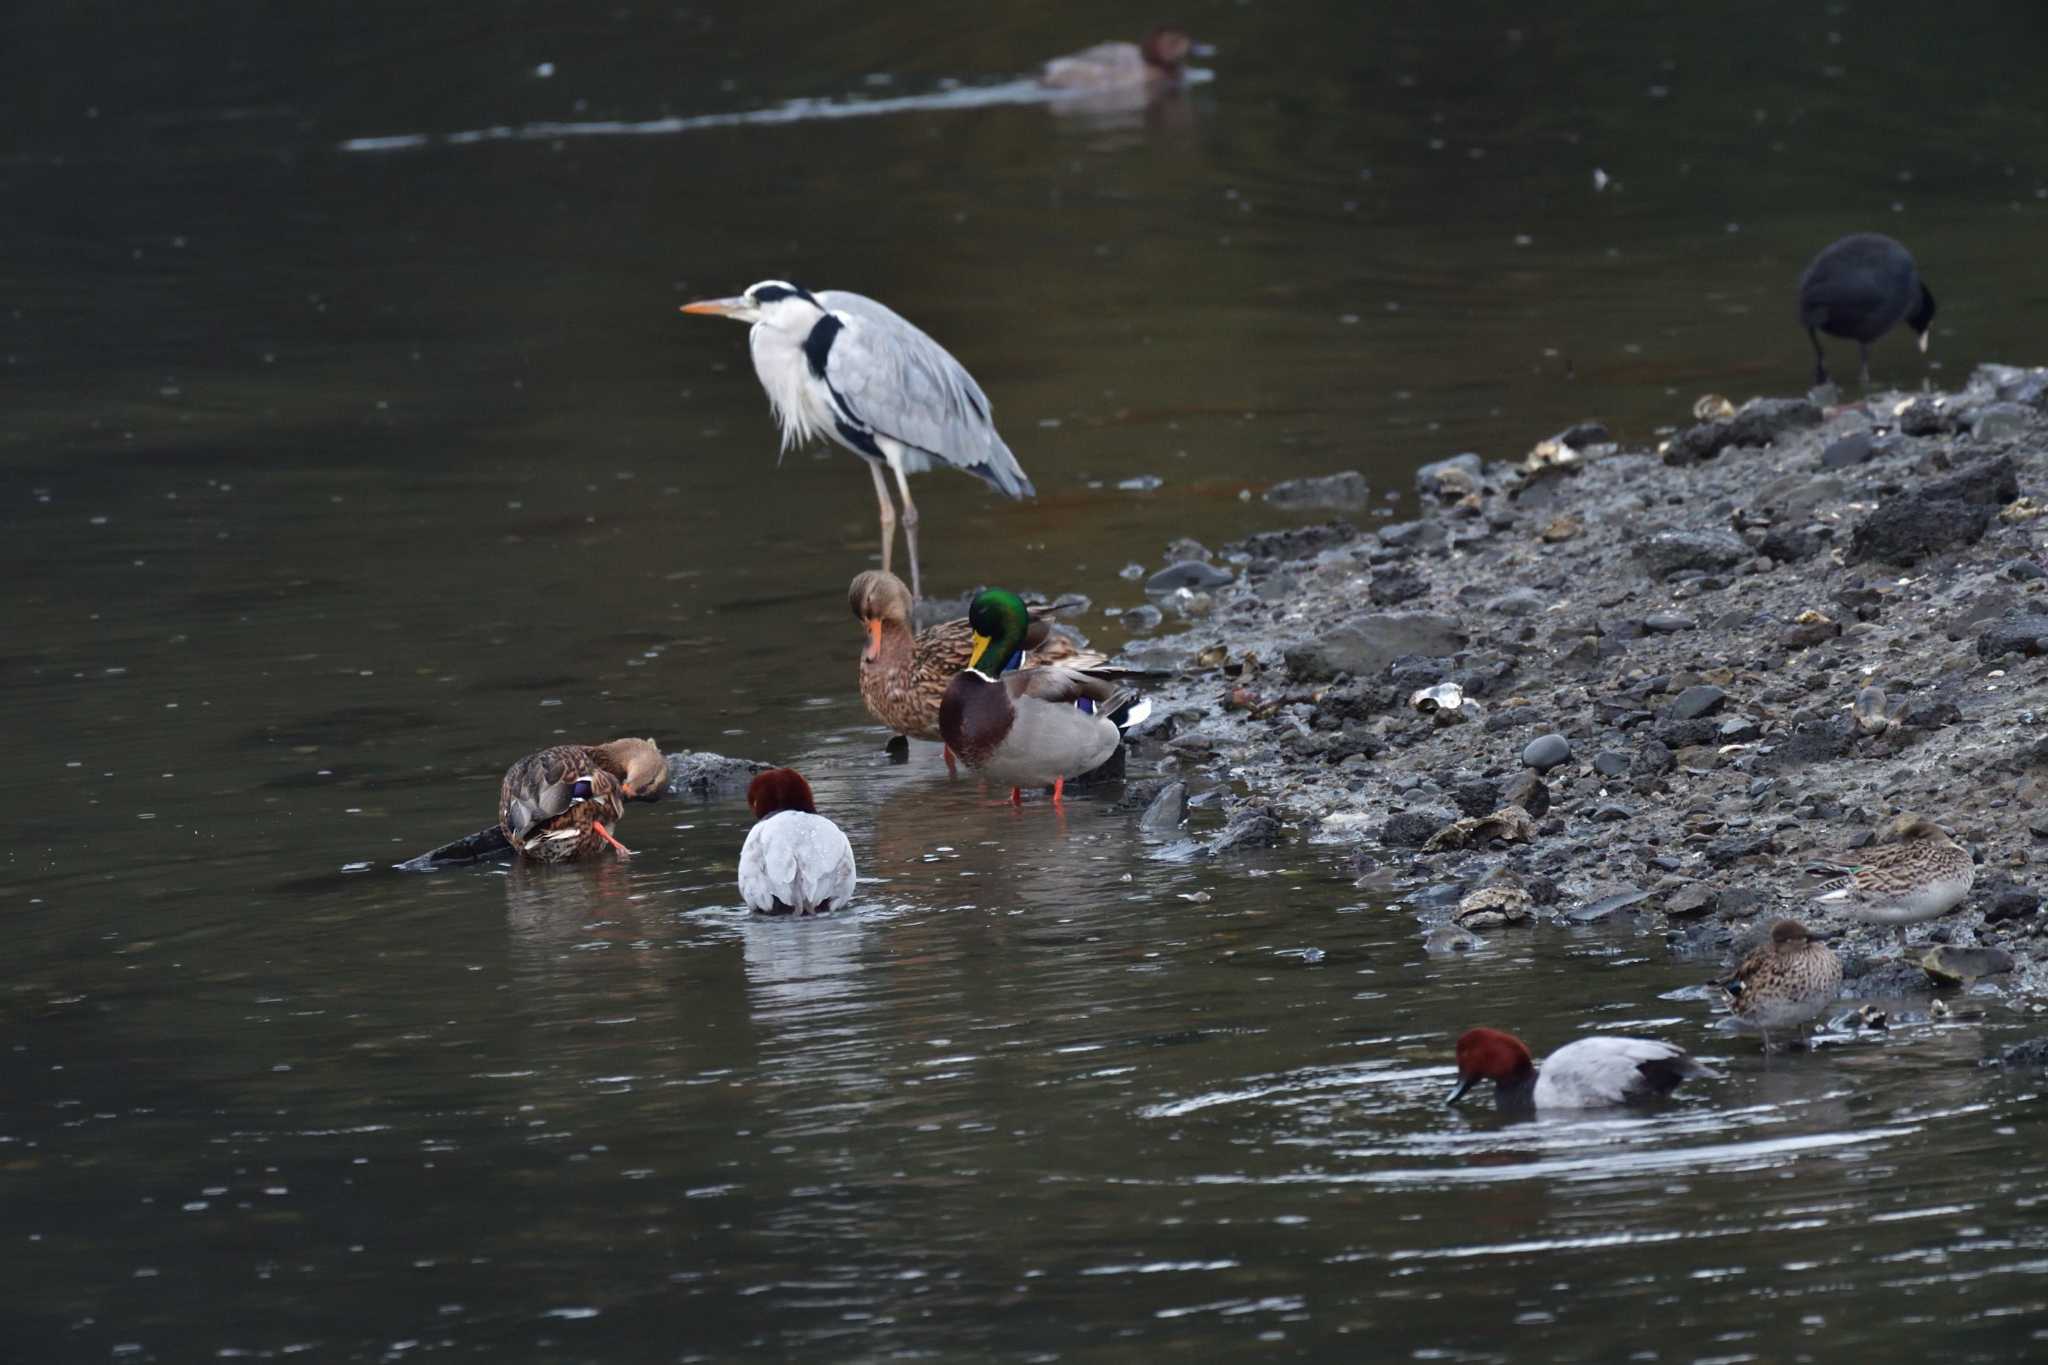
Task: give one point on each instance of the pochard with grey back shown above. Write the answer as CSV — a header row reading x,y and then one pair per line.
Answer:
x,y
795,861
1589,1073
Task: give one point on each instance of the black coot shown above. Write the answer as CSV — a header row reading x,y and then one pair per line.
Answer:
x,y
1859,289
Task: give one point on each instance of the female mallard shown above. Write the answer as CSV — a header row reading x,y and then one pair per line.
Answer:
x,y
1035,727
557,804
903,677
795,861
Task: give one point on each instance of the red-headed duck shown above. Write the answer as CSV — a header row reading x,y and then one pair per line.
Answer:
x,y
795,861
1590,1073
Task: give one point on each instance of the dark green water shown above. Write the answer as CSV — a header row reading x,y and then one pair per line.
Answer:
x,y
336,480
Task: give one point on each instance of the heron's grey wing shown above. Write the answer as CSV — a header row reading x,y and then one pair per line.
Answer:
x,y
909,388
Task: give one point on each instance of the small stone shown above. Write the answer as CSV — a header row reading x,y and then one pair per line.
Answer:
x,y
1344,489
1871,711
1546,752
1395,584
2000,422
1596,910
1668,622
1960,966
1527,602
1695,702
1167,810
1608,763
1527,790
1613,812
2024,634
1509,824
1191,574
1561,528
1492,906
1449,479
1689,903
1670,552
1409,829
1853,449
1449,938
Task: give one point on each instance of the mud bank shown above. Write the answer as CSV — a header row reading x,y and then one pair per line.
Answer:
x,y
1658,653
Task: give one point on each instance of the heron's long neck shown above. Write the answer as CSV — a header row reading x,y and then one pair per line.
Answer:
x,y
779,364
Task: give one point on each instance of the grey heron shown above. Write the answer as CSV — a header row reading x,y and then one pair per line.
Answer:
x,y
847,368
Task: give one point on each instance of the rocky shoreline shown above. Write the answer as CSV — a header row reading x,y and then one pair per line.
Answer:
x,y
1679,675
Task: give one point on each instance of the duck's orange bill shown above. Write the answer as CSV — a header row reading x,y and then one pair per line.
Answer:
x,y
606,835
874,649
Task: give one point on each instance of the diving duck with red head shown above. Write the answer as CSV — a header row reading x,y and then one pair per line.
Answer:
x,y
1589,1073
795,861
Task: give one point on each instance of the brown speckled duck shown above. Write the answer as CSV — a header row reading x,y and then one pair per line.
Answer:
x,y
903,677
559,804
1035,727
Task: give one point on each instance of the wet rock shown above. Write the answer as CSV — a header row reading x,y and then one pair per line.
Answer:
x,y
1763,420
1493,906
1546,752
1670,552
1851,450
2010,902
1696,443
1613,812
2000,421
1450,479
1520,602
1145,617
1654,759
1249,826
2028,1052
1449,938
2025,570
1990,483
1367,645
1191,574
1787,545
1593,911
1925,417
707,776
1409,829
1696,702
1525,789
1559,529
1689,903
1395,584
1811,742
1167,810
1956,966
1510,824
1723,852
2022,634
1413,535
1809,630
1905,531
1608,763
1345,489
1668,622
1298,542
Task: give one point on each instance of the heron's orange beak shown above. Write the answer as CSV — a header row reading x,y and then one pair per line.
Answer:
x,y
873,651
720,308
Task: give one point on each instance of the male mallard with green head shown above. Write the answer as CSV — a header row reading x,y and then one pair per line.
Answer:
x,y
559,804
903,677
1035,727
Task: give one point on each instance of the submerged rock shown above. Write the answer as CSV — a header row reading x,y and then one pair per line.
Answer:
x,y
1345,489
1960,966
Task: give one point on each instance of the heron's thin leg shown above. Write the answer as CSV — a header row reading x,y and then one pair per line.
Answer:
x,y
1820,362
1863,349
888,510
909,527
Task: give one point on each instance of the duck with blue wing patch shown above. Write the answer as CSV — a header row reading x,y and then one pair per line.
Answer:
x,y
1035,727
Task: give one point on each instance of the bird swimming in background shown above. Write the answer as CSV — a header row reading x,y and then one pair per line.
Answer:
x,y
795,861
844,367
558,804
1859,288
1914,873
903,677
1589,1073
1157,59
1785,983
1038,726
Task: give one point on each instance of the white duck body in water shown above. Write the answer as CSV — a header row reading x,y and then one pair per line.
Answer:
x,y
795,861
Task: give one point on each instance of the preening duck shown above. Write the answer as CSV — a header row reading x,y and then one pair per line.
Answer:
x,y
558,804
795,861
1035,727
